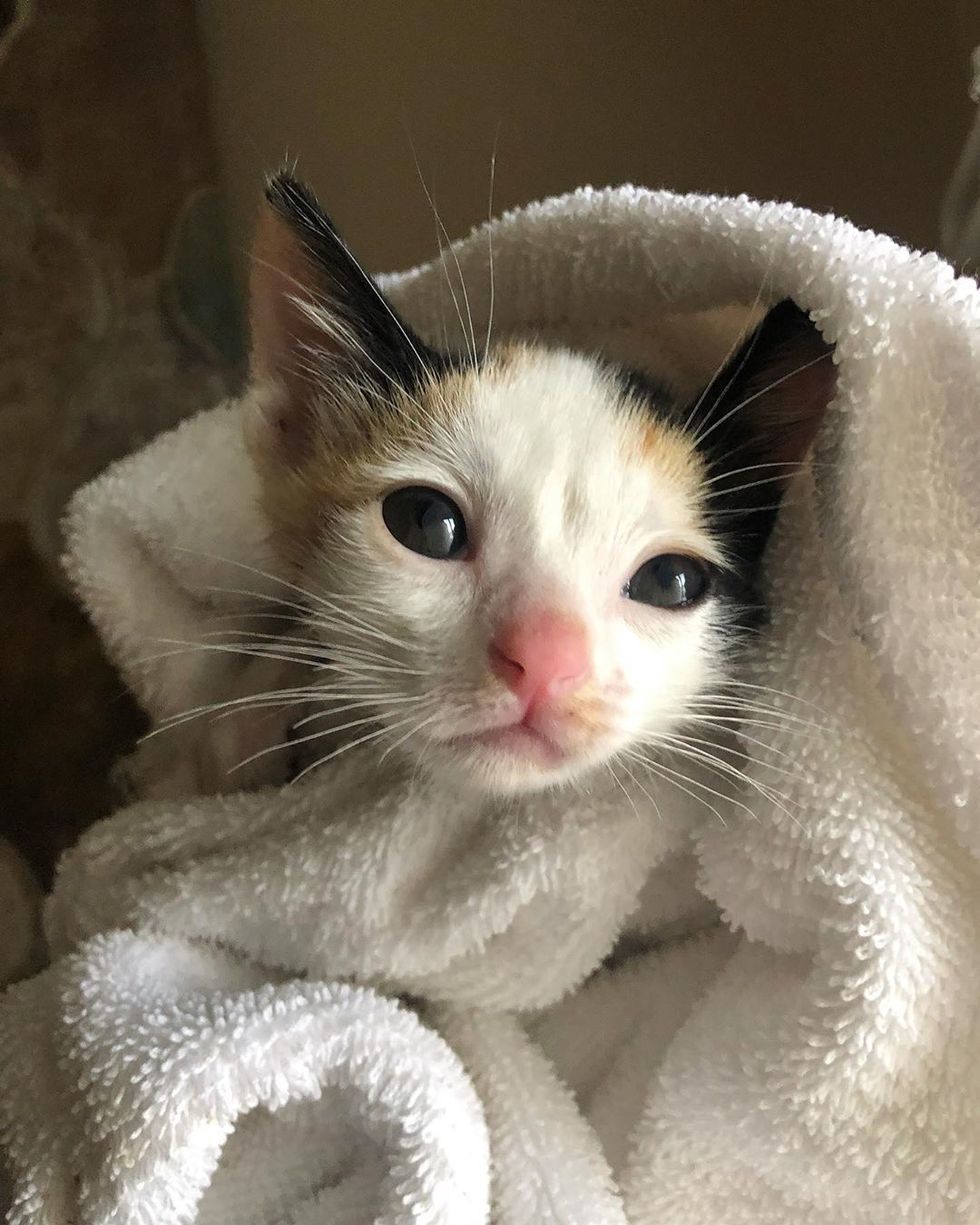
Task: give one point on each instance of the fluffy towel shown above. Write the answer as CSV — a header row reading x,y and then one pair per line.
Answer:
x,y
818,1063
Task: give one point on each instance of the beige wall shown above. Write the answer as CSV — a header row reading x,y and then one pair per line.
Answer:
x,y
858,106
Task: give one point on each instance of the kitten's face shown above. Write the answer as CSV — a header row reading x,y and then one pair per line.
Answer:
x,y
494,546
522,567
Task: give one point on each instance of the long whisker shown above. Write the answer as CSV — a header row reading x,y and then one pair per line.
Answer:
x,y
332,652
657,770
493,173
739,339
778,799
792,465
442,236
265,597
636,781
734,724
737,731
729,771
311,616
734,727
735,713
728,799
352,744
314,616
765,480
182,647
740,512
411,732
399,699
714,425
269,699
305,594
328,731
304,650
686,748
735,683
371,685
262,701
619,783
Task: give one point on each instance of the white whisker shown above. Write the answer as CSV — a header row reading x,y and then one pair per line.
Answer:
x,y
714,425
656,806
619,783
291,743
344,748
656,769
730,353
688,749
493,172
443,238
411,732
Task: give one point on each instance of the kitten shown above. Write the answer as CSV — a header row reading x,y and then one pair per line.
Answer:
x,y
521,566
515,568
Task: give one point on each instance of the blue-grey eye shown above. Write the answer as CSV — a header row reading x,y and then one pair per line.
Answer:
x,y
425,521
669,581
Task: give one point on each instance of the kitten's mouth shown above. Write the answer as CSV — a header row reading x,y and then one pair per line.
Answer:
x,y
516,740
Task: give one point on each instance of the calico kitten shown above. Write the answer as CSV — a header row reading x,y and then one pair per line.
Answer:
x,y
521,565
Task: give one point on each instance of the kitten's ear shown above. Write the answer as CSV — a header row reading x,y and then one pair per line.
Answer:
x,y
766,405
316,318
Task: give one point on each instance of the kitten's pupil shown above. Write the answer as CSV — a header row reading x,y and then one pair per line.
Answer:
x,y
668,581
425,521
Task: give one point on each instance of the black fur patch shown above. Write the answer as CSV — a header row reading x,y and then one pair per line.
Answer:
x,y
397,358
730,428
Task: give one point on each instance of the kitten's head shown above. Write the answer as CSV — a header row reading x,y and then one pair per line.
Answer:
x,y
521,565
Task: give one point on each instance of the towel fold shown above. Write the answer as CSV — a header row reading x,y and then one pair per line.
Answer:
x,y
819,1062
157,1081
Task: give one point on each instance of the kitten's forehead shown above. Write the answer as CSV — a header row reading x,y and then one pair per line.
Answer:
x,y
556,451
563,439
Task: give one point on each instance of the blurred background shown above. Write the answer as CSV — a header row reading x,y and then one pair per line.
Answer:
x,y
133,142
859,108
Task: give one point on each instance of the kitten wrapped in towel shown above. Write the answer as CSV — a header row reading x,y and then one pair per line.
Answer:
x,y
512,565
497,651
510,590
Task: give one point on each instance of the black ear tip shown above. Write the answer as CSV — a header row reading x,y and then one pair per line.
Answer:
x,y
297,203
789,315
283,191
786,320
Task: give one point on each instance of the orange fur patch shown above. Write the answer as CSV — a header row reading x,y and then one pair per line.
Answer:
x,y
670,452
344,450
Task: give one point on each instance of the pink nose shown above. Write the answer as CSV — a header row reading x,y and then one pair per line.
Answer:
x,y
541,656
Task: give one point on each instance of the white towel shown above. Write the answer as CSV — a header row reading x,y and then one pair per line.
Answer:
x,y
180,1056
821,1066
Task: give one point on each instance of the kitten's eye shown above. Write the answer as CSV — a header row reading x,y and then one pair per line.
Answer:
x,y
425,521
668,581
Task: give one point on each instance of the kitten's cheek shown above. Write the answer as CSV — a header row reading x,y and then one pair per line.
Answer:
x,y
627,721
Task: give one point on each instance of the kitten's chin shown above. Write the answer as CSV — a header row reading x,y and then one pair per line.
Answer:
x,y
509,761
